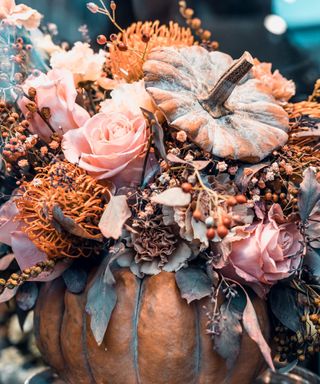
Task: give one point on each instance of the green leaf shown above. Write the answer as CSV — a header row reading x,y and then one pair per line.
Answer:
x,y
309,194
283,303
101,301
193,283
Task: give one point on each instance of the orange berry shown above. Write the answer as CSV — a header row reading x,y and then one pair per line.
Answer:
x,y
241,199
226,221
211,233
186,187
222,231
197,215
231,201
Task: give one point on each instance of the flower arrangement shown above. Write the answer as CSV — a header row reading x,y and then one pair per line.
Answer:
x,y
160,154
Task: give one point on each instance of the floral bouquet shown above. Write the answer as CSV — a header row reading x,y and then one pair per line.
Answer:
x,y
156,198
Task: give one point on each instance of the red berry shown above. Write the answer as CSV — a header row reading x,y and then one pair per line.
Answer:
x,y
101,39
226,221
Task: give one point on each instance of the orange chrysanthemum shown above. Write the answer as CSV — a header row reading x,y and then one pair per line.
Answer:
x,y
129,51
61,209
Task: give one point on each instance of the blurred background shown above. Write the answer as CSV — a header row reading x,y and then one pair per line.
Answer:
x,y
284,32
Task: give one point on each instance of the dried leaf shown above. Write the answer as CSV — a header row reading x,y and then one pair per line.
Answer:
x,y
178,258
312,260
114,217
252,327
70,225
101,301
157,133
197,164
227,342
193,283
246,173
75,279
284,306
27,295
309,194
5,261
173,197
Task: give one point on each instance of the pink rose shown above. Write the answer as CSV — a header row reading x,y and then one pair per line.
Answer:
x,y
271,252
56,91
107,143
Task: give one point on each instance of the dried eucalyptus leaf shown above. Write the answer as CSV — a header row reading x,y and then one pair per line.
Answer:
x,y
193,283
309,194
27,295
114,217
284,306
227,342
75,279
101,300
173,197
252,327
70,225
312,260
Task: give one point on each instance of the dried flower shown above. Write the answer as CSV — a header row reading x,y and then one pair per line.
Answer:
x,y
182,136
60,210
127,64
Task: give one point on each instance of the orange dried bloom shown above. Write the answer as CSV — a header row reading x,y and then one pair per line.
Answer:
x,y
61,209
128,52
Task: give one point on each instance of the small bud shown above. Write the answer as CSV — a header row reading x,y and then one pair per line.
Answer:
x,y
196,23
32,107
197,215
122,47
231,201
92,7
46,113
113,5
145,37
101,40
241,199
32,92
209,222
113,37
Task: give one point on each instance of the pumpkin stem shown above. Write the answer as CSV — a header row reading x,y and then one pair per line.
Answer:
x,y
214,103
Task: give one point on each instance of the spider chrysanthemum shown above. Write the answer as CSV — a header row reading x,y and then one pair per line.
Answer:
x,y
128,53
60,210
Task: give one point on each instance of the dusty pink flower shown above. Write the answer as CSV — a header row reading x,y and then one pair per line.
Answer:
x,y
107,143
271,252
281,88
19,15
25,252
56,91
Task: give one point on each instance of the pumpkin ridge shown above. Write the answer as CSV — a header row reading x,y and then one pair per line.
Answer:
x,y
135,342
198,350
85,347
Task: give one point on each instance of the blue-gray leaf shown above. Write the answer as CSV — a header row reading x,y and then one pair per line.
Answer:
x,y
309,194
194,284
101,301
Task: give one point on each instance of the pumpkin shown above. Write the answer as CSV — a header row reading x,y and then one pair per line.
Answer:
x,y
216,101
154,336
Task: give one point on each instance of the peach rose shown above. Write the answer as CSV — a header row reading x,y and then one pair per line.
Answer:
x,y
107,143
271,252
281,88
19,15
56,91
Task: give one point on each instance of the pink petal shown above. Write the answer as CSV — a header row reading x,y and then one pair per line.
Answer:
x,y
7,295
7,224
5,261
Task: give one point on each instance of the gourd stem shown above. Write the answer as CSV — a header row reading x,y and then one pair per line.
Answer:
x,y
214,103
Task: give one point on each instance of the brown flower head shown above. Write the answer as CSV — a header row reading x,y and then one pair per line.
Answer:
x,y
128,52
60,210
154,240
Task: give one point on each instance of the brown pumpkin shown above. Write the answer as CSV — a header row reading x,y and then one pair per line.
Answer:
x,y
154,337
216,102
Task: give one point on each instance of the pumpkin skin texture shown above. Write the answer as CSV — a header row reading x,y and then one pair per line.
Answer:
x,y
154,337
214,99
